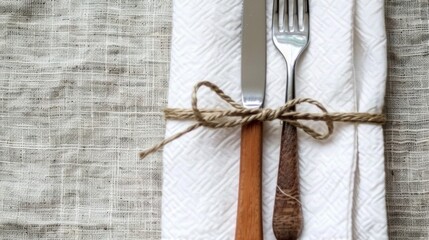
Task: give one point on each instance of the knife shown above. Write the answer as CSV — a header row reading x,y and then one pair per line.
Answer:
x,y
253,76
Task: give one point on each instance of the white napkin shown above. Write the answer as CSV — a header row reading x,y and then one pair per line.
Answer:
x,y
342,178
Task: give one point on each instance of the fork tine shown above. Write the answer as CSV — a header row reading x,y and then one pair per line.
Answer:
x,y
306,23
286,14
292,12
306,6
282,17
301,13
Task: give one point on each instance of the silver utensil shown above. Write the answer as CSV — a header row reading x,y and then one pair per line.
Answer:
x,y
291,37
253,72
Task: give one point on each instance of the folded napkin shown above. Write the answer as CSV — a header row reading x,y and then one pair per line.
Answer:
x,y
342,178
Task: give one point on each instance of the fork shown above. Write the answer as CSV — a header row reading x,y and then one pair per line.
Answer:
x,y
291,37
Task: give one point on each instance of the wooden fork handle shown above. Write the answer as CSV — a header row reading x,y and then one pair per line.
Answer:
x,y
249,212
287,218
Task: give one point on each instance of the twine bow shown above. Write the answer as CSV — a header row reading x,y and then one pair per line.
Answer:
x,y
239,115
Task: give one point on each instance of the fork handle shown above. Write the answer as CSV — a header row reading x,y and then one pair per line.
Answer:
x,y
249,212
287,218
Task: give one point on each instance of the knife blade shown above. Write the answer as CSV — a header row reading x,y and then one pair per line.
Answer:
x,y
253,78
253,53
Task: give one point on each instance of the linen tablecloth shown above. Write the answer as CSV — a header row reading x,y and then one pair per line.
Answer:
x,y
82,86
407,128
342,179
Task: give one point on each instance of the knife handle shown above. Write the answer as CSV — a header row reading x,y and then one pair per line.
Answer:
x,y
287,217
249,212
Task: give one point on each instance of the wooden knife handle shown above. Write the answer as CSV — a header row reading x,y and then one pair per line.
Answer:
x,y
249,212
287,218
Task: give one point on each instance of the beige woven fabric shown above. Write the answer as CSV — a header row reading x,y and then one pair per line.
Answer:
x,y
82,85
407,130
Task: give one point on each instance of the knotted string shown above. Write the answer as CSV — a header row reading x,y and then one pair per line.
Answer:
x,y
239,116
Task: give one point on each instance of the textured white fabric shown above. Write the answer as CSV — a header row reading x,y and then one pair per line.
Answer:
x,y
342,178
371,70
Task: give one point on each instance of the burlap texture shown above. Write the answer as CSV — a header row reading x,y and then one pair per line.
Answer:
x,y
407,129
82,85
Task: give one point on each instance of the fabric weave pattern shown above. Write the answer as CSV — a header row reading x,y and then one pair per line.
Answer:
x,y
407,129
82,86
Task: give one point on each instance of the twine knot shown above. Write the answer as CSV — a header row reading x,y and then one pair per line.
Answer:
x,y
239,116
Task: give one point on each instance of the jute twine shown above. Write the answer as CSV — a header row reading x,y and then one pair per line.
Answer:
x,y
239,115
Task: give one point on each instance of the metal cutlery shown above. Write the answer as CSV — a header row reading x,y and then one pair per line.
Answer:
x,y
291,37
253,72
